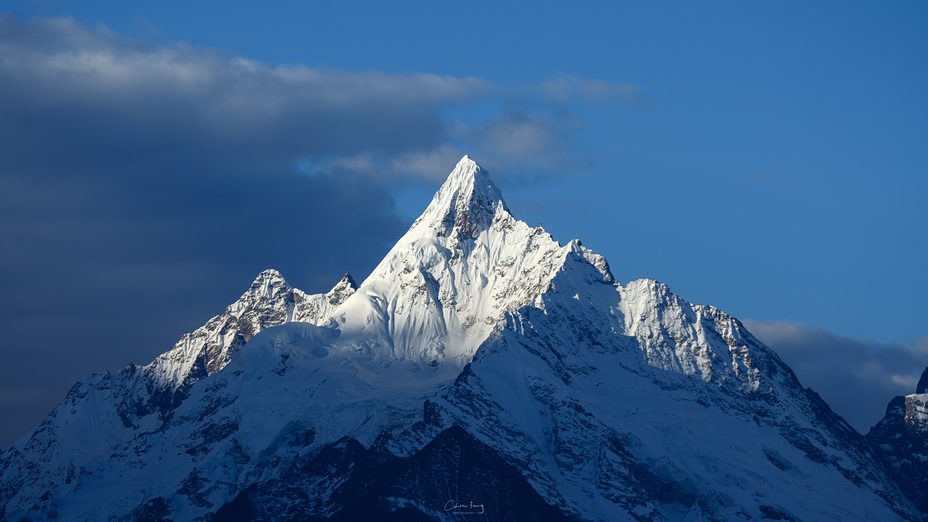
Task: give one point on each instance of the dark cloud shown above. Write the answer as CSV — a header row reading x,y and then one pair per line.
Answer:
x,y
143,187
857,377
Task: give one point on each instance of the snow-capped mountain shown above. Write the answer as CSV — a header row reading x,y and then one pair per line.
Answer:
x,y
900,439
481,372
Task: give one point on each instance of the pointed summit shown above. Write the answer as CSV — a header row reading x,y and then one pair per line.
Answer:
x,y
349,281
342,290
268,284
465,204
923,383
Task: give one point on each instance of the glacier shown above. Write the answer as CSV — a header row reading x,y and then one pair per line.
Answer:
x,y
482,371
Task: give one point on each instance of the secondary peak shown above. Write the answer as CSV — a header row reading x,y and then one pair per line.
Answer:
x,y
923,383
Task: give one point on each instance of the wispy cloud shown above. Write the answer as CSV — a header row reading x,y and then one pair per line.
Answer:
x,y
519,141
151,28
428,165
769,179
567,86
857,377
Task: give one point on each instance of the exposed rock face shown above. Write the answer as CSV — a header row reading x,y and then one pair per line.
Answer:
x,y
482,371
900,439
453,475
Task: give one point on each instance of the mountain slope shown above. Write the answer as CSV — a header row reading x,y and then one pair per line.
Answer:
x,y
481,356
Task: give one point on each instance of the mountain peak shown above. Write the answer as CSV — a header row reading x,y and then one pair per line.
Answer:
x,y
465,204
342,291
267,284
348,281
483,348
923,383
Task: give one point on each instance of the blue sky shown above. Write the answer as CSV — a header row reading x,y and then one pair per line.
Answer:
x,y
768,159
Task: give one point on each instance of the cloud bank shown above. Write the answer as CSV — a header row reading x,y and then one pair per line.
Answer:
x,y
857,377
